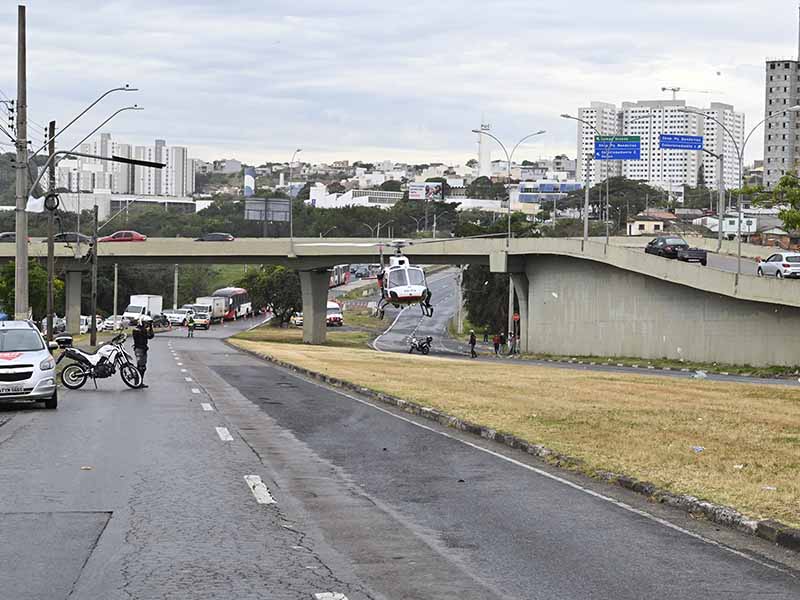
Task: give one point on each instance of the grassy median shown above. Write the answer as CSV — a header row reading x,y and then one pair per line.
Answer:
x,y
734,444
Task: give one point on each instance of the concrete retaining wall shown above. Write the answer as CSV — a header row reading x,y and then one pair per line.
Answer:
x,y
582,307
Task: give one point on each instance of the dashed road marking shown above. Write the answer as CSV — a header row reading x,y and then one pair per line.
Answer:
x,y
330,596
195,390
188,378
224,434
207,407
260,491
184,371
180,364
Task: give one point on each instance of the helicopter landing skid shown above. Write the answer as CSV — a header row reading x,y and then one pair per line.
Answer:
x,y
427,310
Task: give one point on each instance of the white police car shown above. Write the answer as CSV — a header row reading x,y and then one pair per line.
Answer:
x,y
27,367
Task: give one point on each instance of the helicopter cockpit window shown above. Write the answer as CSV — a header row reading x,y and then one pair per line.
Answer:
x,y
416,277
397,277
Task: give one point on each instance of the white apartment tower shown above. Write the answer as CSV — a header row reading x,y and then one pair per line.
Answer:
x,y
665,169
603,117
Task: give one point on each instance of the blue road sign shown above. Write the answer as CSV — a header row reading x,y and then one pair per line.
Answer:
x,y
680,142
617,147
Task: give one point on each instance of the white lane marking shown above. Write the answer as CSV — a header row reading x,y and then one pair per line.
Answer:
x,y
330,596
561,480
180,364
224,434
260,491
195,390
184,371
388,329
207,407
188,378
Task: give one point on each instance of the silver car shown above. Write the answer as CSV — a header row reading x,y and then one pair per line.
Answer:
x,y
780,265
27,367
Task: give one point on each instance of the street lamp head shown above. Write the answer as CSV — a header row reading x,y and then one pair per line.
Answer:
x,y
476,131
540,132
127,88
566,116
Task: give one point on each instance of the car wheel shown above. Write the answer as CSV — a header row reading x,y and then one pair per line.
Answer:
x,y
759,272
778,274
51,403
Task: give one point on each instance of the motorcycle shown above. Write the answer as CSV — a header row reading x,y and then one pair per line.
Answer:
x,y
423,345
105,362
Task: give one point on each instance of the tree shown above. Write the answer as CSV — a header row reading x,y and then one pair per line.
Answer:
x,y
391,186
481,187
486,298
788,192
37,289
275,287
336,188
472,163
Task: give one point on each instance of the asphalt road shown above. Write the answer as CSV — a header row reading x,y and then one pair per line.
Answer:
x,y
142,494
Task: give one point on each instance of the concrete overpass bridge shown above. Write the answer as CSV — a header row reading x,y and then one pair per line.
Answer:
x,y
575,298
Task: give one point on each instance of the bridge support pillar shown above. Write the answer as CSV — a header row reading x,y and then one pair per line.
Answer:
x,y
314,287
521,285
72,301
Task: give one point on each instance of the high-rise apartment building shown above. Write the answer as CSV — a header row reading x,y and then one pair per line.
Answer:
x,y
603,117
782,128
666,169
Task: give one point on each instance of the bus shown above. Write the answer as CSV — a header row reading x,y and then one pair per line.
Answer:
x,y
237,303
340,274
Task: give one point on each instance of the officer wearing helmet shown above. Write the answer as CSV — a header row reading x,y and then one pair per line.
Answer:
x,y
142,333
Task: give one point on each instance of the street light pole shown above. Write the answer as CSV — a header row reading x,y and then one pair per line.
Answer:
x,y
21,306
291,200
509,157
51,138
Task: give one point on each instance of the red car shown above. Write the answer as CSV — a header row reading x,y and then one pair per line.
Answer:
x,y
124,236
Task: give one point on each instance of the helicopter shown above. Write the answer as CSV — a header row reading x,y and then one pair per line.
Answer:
x,y
400,283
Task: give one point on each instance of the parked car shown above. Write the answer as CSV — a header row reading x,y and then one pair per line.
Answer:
x,y
8,236
178,317
112,324
124,236
215,237
296,319
672,246
70,237
202,320
28,370
780,265
59,325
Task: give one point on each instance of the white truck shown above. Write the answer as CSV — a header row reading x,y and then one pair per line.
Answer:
x,y
141,305
215,305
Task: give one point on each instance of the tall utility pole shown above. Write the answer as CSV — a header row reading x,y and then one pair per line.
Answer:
x,y
93,315
175,286
51,138
21,256
116,284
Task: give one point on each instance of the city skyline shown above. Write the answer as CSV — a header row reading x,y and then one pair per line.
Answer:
x,y
329,80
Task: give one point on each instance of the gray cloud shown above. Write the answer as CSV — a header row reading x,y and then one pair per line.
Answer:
x,y
255,79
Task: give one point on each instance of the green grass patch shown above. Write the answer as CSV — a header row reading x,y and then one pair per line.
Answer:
x,y
294,335
677,365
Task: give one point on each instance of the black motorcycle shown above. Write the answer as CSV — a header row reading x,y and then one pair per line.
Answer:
x,y
423,345
108,359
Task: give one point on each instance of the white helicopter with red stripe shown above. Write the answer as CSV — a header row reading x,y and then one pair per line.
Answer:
x,y
400,283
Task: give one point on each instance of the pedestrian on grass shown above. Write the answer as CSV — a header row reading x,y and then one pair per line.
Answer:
x,y
496,342
503,340
485,336
141,335
512,344
190,326
472,341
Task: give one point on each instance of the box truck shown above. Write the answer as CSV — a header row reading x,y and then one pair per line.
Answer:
x,y
141,305
215,306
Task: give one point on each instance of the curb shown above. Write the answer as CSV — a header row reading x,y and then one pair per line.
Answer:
x,y
770,530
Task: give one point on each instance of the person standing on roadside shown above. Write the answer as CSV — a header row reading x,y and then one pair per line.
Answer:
x,y
496,342
485,336
190,325
141,335
472,341
503,340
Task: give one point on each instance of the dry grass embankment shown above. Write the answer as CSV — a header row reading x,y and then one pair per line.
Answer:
x,y
645,427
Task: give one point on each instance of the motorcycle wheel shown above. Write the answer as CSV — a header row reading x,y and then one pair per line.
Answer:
x,y
73,376
425,350
130,376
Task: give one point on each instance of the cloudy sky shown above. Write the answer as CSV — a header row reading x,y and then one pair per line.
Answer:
x,y
254,79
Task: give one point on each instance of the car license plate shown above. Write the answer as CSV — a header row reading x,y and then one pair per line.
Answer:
x,y
11,389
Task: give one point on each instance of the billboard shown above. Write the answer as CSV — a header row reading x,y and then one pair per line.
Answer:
x,y
249,181
267,209
430,190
